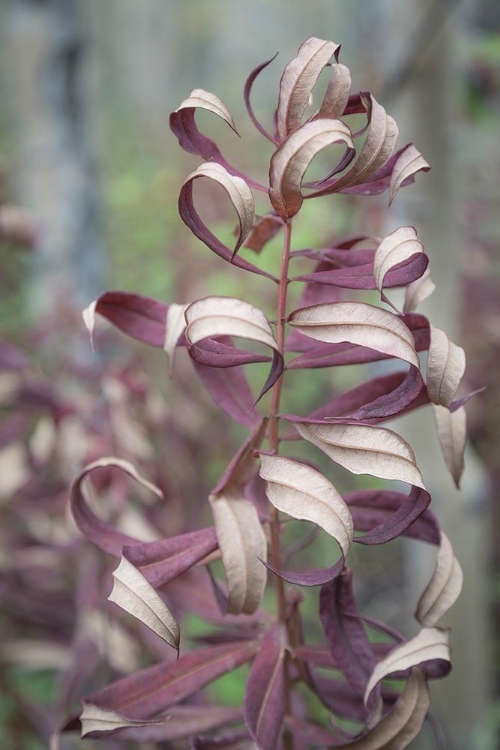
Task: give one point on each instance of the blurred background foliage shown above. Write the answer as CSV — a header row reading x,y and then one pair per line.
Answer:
x,y
89,179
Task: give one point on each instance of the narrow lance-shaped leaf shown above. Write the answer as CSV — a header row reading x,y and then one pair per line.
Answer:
x,y
304,493
298,80
132,592
363,449
99,722
246,94
452,434
100,533
444,587
418,291
140,317
175,325
337,93
445,368
230,390
407,165
429,645
264,705
397,247
357,323
263,230
290,162
227,316
240,535
384,514
201,99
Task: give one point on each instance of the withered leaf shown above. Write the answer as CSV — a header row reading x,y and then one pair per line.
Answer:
x,y
291,160
298,80
304,493
132,592
444,587
364,449
357,323
397,247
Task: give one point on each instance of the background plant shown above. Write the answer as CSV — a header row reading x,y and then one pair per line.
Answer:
x,y
348,332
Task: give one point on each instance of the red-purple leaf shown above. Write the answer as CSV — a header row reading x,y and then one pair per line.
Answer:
x,y
248,90
361,276
230,390
264,705
140,317
385,514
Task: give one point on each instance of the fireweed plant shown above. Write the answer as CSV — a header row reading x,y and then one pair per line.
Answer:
x,y
262,487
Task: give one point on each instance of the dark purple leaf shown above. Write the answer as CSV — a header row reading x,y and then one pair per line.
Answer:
x,y
140,317
219,353
229,389
317,577
145,693
248,90
264,706
361,277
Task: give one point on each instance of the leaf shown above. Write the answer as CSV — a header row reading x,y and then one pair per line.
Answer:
x,y
337,93
305,494
444,587
263,230
230,390
418,291
298,80
198,98
357,323
361,276
98,721
239,194
375,152
345,635
175,325
246,94
145,693
445,368
140,317
191,218
264,704
409,162
291,160
132,592
227,316
163,560
397,247
102,534
363,449
240,535
384,515
430,644
452,434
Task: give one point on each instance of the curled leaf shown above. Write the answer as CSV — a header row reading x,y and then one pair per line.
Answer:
x,y
409,162
430,644
298,80
240,535
175,325
452,434
198,98
246,94
132,592
228,316
397,247
290,162
337,93
364,449
304,493
140,317
445,368
357,323
230,390
444,587
417,291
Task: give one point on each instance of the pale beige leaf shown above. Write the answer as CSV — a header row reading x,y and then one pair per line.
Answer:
x,y
337,93
227,316
395,248
291,160
125,466
88,316
444,587
357,323
14,470
242,542
201,99
445,367
43,441
298,80
239,194
304,493
418,291
365,449
132,592
239,532
35,654
95,719
429,643
410,161
404,722
452,434
175,326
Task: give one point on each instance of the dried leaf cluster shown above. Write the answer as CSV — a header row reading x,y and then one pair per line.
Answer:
x,y
262,488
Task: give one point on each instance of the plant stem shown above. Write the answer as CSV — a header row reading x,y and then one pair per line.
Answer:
x,y
274,445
